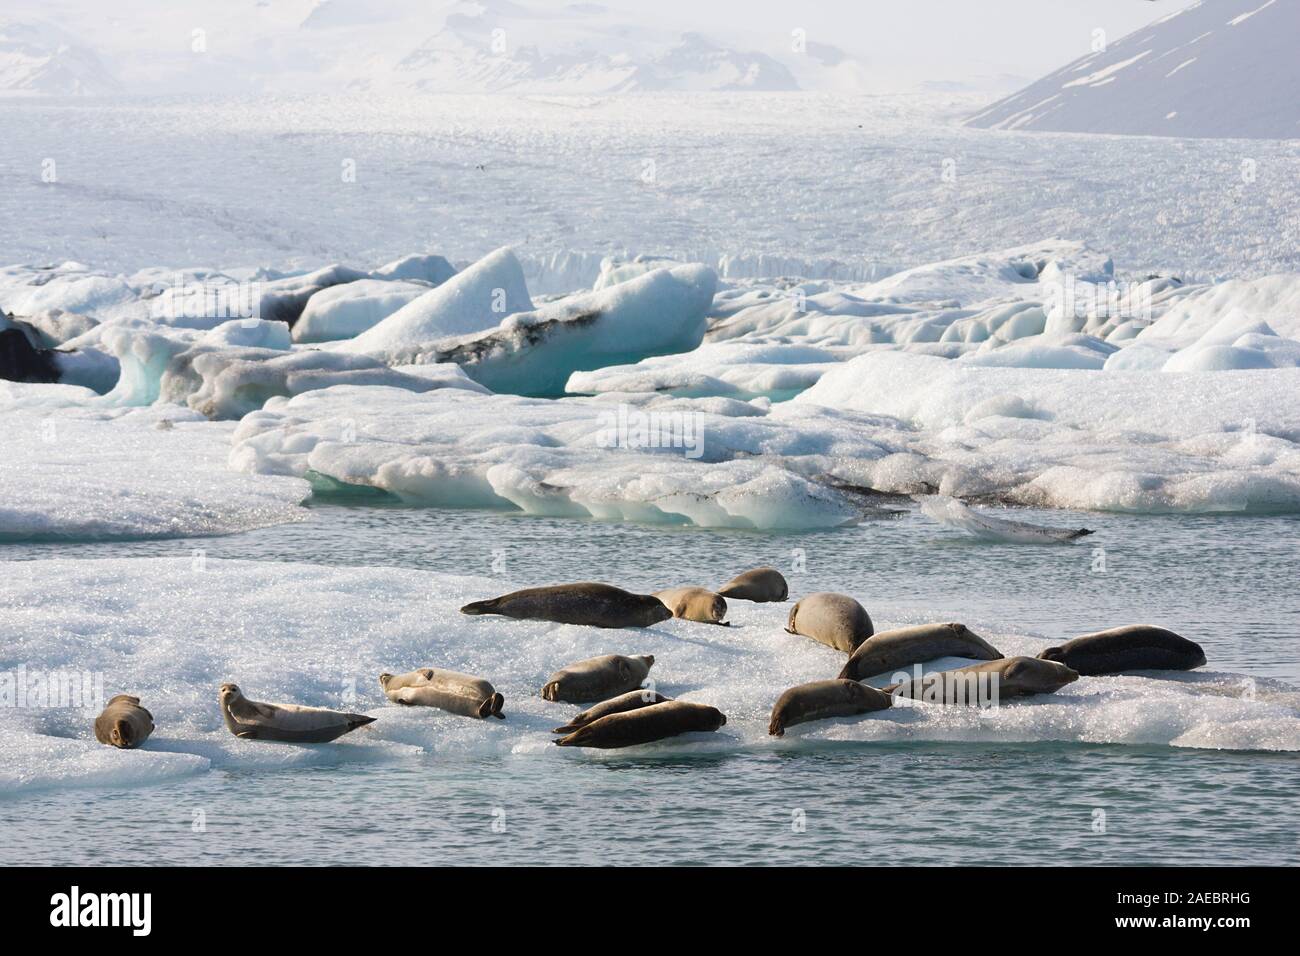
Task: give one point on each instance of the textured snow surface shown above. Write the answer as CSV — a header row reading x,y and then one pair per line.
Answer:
x,y
94,472
171,632
811,185
1223,68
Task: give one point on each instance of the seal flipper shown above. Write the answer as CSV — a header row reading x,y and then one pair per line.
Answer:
x,y
1056,654
481,607
359,720
491,707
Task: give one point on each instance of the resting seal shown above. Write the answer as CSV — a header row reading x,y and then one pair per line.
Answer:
x,y
124,723
632,700
1138,647
760,584
445,690
821,699
288,722
695,604
890,651
598,678
599,605
645,724
1009,677
835,620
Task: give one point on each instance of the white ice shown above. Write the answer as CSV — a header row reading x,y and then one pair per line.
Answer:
x,y
171,632
78,472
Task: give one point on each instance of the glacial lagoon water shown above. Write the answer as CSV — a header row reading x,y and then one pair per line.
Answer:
x,y
1227,581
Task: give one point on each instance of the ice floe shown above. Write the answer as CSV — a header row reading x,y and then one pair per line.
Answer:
x,y
172,630
80,472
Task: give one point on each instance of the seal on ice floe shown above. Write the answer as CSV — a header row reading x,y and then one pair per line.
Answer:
x,y
645,725
893,650
287,722
695,604
598,605
20,361
597,678
821,699
124,723
632,700
835,620
445,690
1137,647
988,683
760,585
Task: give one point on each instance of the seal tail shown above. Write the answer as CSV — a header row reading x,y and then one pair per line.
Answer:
x,y
566,729
491,707
359,720
480,607
846,672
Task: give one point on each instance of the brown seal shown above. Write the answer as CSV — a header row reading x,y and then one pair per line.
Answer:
x,y
124,723
598,605
286,722
646,724
597,678
822,699
835,620
445,690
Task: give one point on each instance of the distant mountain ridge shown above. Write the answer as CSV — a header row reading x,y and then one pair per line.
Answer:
x,y
1220,68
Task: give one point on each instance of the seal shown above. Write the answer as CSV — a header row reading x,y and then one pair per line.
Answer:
x,y
890,651
835,620
1137,647
987,683
760,585
821,699
124,723
287,722
695,604
445,690
598,605
632,700
644,725
598,678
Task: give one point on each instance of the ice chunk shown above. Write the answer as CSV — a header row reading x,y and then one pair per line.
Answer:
x,y
670,462
740,371
987,527
435,270
344,311
84,473
470,301
534,353
171,631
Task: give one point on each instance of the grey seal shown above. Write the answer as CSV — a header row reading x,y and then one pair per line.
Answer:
x,y
1137,647
286,722
124,723
890,651
597,678
445,690
822,699
646,724
760,584
598,605
835,620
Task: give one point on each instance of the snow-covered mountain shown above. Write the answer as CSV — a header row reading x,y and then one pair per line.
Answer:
x,y
1221,68
39,58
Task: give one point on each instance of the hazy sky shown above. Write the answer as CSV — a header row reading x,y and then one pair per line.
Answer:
x,y
899,43
930,39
